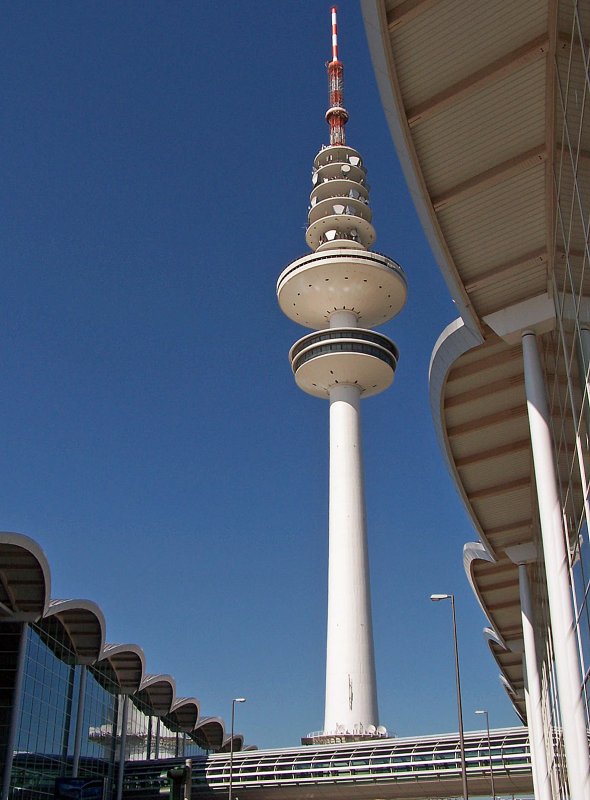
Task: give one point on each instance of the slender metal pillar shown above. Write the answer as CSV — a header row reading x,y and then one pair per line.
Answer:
x,y
567,665
148,748
436,598
157,747
459,704
541,776
79,721
65,739
351,686
16,709
491,760
231,744
122,743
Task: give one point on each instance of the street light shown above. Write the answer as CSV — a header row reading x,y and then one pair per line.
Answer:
x,y
231,741
483,711
451,597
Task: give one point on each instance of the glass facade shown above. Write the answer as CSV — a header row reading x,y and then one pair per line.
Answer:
x,y
44,747
566,351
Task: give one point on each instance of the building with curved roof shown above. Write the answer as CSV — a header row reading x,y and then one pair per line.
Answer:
x,y
72,705
488,107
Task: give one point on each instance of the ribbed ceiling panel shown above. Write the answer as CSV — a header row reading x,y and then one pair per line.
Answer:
x,y
487,128
460,42
496,225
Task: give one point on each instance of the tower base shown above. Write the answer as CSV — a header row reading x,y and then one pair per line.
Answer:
x,y
341,737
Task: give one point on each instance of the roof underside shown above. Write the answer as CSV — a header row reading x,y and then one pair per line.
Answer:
x,y
24,577
470,92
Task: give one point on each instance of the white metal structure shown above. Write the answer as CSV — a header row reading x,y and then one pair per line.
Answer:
x,y
341,290
488,105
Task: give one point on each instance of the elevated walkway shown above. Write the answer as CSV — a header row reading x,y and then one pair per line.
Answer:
x,y
415,768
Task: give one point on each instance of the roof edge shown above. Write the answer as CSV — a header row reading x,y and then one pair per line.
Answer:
x,y
455,340
375,24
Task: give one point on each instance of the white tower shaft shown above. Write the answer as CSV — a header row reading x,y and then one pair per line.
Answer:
x,y
341,291
351,693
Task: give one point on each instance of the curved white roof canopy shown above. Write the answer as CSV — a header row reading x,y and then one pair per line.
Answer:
x,y
209,733
158,692
83,623
184,713
125,663
238,743
25,579
495,584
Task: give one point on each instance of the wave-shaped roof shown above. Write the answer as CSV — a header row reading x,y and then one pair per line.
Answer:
x,y
25,587
25,580
84,624
159,692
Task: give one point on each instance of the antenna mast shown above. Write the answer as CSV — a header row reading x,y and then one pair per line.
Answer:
x,y
336,115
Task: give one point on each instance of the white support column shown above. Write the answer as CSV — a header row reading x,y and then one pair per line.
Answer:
x,y
343,319
124,701
79,721
148,754
567,664
520,555
157,747
350,667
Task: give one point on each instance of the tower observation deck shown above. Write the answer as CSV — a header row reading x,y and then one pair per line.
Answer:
x,y
342,291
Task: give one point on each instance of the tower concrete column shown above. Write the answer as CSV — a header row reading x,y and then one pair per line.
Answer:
x,y
351,696
567,664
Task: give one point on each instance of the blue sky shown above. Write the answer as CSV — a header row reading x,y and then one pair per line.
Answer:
x,y
156,172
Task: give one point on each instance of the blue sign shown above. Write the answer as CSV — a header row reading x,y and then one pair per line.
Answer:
x,y
79,789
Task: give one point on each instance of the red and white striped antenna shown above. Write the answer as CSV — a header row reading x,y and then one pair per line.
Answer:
x,y
336,115
334,35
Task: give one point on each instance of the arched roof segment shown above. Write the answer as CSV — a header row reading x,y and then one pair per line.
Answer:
x,y
209,733
517,702
376,27
456,340
126,662
509,662
158,692
185,713
238,744
83,621
472,553
25,578
495,585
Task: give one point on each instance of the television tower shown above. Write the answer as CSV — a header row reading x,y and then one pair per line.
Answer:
x,y
342,290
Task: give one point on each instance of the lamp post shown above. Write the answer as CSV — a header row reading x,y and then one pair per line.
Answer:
x,y
451,597
231,741
484,711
